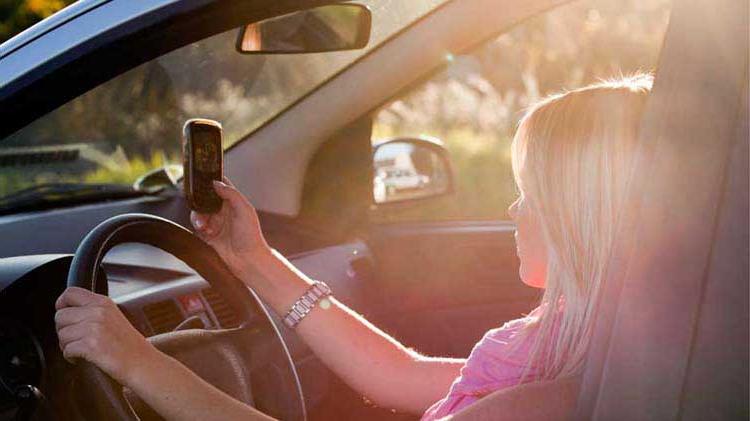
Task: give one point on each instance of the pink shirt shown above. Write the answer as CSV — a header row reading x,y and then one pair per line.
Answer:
x,y
490,366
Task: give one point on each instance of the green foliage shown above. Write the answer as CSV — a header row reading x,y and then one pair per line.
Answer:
x,y
476,102
17,15
127,174
12,181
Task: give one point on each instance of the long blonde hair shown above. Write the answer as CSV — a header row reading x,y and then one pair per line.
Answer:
x,y
572,155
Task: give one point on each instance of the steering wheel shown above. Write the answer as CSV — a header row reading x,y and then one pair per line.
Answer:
x,y
250,363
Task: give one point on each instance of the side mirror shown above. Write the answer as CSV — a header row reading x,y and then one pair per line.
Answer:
x,y
326,28
409,169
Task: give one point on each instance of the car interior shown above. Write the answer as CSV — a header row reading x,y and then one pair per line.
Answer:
x,y
671,340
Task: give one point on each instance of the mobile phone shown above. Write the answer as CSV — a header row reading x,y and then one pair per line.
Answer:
x,y
203,162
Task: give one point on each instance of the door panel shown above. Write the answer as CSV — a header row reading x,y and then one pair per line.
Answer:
x,y
444,284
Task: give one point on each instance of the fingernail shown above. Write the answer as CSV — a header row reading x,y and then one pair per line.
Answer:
x,y
220,184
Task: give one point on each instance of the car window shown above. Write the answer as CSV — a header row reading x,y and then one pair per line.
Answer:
x,y
132,123
474,104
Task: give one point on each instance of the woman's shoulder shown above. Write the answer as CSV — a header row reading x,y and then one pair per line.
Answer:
x,y
503,334
497,360
509,342
509,329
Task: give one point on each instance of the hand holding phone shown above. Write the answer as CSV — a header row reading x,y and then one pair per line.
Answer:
x,y
203,162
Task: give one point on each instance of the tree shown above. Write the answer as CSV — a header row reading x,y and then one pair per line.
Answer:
x,y
17,15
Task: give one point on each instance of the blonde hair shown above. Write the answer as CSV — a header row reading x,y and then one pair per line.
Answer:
x,y
572,155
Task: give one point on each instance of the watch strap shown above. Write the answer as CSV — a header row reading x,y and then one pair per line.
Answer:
x,y
302,307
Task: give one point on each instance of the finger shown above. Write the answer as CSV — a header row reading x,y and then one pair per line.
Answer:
x,y
202,235
207,226
227,181
231,195
75,332
75,296
215,224
72,315
76,349
199,220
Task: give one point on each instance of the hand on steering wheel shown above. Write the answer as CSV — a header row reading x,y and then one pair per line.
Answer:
x,y
91,327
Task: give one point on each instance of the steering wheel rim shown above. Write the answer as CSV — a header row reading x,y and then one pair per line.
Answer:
x,y
85,272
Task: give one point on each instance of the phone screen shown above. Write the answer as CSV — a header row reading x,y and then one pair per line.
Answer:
x,y
203,165
206,152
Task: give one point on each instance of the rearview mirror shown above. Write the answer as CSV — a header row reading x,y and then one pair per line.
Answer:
x,y
325,28
410,168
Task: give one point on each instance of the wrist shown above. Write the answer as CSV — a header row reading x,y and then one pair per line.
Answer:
x,y
275,279
254,263
149,362
259,266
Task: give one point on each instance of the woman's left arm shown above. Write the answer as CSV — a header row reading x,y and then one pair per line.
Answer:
x,y
91,327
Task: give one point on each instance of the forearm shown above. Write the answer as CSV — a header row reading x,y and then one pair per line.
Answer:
x,y
369,360
177,393
374,363
91,327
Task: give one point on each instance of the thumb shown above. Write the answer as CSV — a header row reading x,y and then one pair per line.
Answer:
x,y
230,194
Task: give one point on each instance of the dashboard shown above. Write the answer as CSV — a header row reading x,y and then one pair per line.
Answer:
x,y
156,291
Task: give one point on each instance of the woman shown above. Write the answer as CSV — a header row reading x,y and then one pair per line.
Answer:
x,y
571,158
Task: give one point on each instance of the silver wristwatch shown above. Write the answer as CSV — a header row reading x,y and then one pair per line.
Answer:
x,y
305,303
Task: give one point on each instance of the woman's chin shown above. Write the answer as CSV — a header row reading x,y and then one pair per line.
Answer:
x,y
534,284
530,280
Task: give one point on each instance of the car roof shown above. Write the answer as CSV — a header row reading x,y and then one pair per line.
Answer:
x,y
40,28
66,31
83,46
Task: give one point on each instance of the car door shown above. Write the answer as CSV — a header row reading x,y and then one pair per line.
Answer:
x,y
444,284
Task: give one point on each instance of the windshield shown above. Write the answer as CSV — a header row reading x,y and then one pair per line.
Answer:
x,y
133,123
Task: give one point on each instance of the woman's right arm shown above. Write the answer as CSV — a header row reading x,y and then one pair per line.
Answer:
x,y
91,327
366,358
